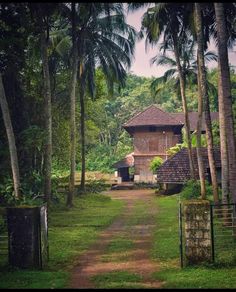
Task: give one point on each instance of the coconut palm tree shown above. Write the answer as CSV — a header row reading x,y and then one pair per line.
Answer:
x,y
203,100
105,41
188,63
189,67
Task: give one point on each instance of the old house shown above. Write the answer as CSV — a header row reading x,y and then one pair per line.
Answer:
x,y
153,132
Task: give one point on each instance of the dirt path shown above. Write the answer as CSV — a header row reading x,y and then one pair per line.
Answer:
x,y
137,260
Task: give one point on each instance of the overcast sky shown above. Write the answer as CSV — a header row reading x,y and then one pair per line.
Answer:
x,y
141,65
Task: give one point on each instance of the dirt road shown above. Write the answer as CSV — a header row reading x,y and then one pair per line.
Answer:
x,y
131,226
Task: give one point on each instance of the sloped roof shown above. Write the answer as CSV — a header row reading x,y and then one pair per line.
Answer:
x,y
128,161
176,169
153,116
193,118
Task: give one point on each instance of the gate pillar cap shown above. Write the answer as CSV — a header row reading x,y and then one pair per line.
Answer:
x,y
196,202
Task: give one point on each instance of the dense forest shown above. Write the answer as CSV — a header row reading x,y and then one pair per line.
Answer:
x,y
64,70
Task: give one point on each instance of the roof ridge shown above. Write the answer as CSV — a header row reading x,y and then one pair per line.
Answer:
x,y
138,114
169,114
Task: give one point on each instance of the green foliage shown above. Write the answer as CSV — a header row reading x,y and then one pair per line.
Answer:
x,y
192,190
193,139
155,164
31,190
216,133
7,192
173,150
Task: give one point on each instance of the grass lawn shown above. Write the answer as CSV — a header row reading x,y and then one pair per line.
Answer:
x,y
166,251
70,233
118,279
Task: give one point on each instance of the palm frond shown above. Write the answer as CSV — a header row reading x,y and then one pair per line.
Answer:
x,y
210,56
163,60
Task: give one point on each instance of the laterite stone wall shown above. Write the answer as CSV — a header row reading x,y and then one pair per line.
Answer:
x,y
197,232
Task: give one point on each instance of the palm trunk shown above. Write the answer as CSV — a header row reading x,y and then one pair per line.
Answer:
x,y
72,112
82,125
198,136
205,97
185,108
206,109
225,104
201,68
210,151
48,116
11,140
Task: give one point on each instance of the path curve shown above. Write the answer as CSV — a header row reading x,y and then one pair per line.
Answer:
x,y
138,261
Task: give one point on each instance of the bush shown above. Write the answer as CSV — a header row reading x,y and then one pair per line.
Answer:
x,y
192,190
95,187
31,190
155,163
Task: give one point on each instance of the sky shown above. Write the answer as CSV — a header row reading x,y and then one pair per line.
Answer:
x,y
141,64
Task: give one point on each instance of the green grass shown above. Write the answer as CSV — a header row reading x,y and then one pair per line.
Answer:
x,y
118,279
71,232
166,240
201,277
120,244
118,249
139,214
166,251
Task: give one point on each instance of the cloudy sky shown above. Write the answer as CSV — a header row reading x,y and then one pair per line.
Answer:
x,y
141,65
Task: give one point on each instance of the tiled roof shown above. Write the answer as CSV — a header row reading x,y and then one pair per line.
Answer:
x,y
193,118
176,168
153,116
128,161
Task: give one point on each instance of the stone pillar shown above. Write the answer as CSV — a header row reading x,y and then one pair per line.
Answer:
x,y
197,231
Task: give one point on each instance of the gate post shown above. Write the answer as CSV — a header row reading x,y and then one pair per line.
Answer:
x,y
197,231
27,233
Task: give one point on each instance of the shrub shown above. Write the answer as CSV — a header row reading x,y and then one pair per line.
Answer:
x,y
95,187
155,163
192,190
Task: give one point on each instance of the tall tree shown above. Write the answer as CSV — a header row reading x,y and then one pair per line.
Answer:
x,y
73,105
105,40
200,58
43,14
204,101
227,138
11,140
